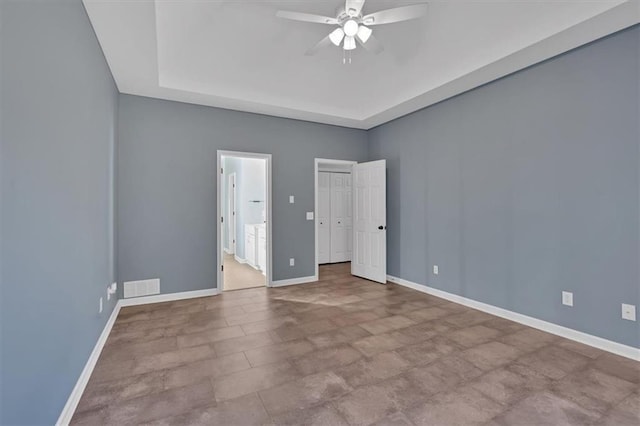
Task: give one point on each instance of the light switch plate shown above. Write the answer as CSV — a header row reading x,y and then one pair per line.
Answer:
x,y
435,270
291,199
309,215
567,298
292,262
629,312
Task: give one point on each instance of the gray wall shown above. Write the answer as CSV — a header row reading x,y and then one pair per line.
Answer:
x,y
58,110
167,186
526,187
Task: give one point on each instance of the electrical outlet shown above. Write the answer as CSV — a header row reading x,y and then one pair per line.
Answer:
x,y
291,199
309,215
111,290
435,270
100,309
292,262
567,298
629,312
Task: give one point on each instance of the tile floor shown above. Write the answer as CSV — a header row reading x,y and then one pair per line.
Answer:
x,y
345,351
240,275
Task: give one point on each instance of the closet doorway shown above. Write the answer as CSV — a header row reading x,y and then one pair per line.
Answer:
x,y
333,211
244,220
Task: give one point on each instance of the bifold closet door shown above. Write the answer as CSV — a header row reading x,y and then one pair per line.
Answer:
x,y
341,217
324,217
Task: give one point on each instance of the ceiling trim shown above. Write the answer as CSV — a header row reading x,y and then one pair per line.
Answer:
x,y
613,20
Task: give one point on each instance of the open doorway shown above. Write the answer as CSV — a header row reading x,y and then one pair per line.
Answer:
x,y
244,220
333,213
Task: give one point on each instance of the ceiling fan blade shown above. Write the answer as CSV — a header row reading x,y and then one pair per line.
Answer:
x,y
306,17
371,45
353,7
397,14
325,42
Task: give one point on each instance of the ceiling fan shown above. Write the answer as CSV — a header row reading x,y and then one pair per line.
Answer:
x,y
353,26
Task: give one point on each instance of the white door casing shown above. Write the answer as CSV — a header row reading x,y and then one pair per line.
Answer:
x,y
231,213
221,212
369,257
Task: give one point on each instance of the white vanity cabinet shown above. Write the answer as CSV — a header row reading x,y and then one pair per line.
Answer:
x,y
250,244
255,245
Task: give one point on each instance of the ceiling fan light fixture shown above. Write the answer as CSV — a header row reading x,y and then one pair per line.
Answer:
x,y
349,43
336,36
350,28
364,33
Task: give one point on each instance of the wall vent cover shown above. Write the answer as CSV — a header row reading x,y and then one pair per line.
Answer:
x,y
141,288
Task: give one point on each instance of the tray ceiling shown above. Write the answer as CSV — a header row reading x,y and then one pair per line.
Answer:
x,y
239,55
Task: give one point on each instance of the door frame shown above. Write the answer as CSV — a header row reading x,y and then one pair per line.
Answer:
x,y
220,209
316,164
232,207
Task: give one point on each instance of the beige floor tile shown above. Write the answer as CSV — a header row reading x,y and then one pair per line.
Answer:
x,y
304,393
322,415
545,408
344,350
371,403
243,411
464,406
278,352
326,359
252,380
207,368
369,370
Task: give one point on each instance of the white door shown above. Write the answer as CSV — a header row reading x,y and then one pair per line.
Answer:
x,y
369,258
341,227
231,213
324,217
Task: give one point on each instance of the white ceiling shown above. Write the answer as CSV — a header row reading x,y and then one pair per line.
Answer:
x,y
238,55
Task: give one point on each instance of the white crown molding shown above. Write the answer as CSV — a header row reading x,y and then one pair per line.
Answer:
x,y
294,281
139,18
613,20
558,330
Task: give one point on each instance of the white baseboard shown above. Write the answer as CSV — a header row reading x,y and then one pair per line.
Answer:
x,y
169,297
294,281
228,251
558,330
73,400
239,259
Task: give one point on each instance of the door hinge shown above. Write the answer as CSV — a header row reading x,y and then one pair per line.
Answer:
x,y
221,219
222,268
221,171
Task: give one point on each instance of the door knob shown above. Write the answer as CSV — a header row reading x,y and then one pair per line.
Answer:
x,y
382,227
